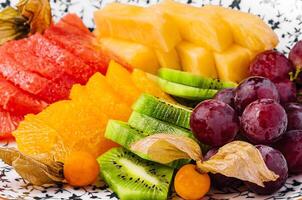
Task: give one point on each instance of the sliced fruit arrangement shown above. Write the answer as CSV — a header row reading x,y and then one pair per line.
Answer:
x,y
190,86
210,41
83,118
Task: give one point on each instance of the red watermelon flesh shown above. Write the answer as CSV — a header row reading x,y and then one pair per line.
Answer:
x,y
67,62
14,72
8,123
73,20
14,100
20,50
77,42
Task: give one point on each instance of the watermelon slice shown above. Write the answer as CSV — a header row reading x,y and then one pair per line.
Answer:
x,y
16,101
73,20
67,62
8,123
79,43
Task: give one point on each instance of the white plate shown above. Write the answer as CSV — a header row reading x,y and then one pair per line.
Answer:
x,y
284,16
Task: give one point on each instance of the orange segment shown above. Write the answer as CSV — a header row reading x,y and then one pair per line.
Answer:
x,y
34,136
147,85
120,79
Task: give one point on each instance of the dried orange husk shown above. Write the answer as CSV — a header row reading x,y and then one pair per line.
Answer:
x,y
165,148
31,16
12,25
38,13
236,159
38,170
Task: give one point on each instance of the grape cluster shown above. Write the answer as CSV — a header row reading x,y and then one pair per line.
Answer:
x,y
264,110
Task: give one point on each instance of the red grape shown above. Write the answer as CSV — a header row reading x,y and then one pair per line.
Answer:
x,y
252,89
220,181
295,55
294,116
271,64
214,123
263,121
290,146
287,91
276,162
226,96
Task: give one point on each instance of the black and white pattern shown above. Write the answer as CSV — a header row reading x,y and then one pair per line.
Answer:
x,y
284,16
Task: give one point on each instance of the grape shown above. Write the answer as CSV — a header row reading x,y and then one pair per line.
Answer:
x,y
276,162
214,123
263,121
287,91
252,89
294,116
271,64
226,96
290,146
220,181
295,55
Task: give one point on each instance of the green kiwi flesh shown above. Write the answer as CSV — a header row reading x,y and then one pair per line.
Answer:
x,y
162,110
133,178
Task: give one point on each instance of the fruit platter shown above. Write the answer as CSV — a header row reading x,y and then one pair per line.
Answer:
x,y
148,100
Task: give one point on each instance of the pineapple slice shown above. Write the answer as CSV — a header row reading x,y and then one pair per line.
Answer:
x,y
233,64
136,55
137,24
197,60
248,30
203,28
168,59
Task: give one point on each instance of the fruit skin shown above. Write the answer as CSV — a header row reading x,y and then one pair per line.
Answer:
x,y
218,180
162,110
263,121
253,88
191,184
226,96
80,169
290,146
271,64
295,54
276,162
287,91
184,91
120,167
214,123
294,116
190,79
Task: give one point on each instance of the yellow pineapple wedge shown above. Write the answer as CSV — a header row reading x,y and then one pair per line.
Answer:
x,y
200,27
136,24
136,55
197,60
248,30
168,59
233,64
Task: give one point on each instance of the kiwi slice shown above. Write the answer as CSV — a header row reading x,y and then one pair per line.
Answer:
x,y
162,110
150,125
131,177
189,79
186,92
125,135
